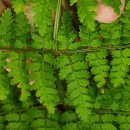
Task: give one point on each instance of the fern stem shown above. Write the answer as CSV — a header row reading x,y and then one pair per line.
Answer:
x,y
127,113
56,24
99,111
91,49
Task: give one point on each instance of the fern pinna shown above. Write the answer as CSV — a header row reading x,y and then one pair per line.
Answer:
x,y
54,78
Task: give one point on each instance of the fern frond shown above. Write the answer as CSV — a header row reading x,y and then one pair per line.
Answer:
x,y
66,24
66,35
120,66
123,121
87,12
39,119
18,6
43,16
73,69
108,118
42,75
4,80
125,25
118,99
6,29
40,42
110,121
32,118
70,86
104,126
12,117
111,33
70,121
18,73
89,38
99,66
22,31
43,24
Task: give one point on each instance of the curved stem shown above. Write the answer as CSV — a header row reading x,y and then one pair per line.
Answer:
x,y
56,24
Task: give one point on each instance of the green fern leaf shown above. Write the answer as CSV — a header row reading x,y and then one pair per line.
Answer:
x,y
66,34
128,6
120,119
89,38
68,116
43,16
40,119
18,6
40,42
12,117
6,28
108,126
111,33
18,73
43,23
12,126
108,118
38,123
125,126
62,61
99,65
126,26
87,12
4,80
120,67
104,126
66,24
22,31
77,94
71,122
96,126
43,78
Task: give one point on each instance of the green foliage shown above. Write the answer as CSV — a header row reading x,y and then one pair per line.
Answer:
x,y
73,69
87,12
18,6
18,73
117,98
79,81
66,35
111,33
120,66
43,17
6,29
43,24
99,66
4,84
125,22
43,80
89,38
33,118
22,31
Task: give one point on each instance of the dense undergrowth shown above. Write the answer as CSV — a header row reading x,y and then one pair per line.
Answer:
x,y
51,81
